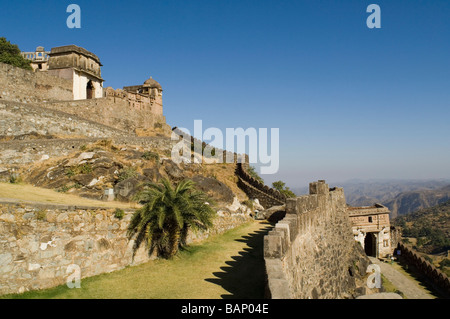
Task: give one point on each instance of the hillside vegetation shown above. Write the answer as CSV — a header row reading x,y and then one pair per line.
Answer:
x,y
10,54
430,226
89,171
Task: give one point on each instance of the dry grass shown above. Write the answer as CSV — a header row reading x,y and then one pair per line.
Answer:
x,y
226,174
25,192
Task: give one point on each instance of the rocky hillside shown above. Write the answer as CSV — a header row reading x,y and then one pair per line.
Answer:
x,y
88,172
429,227
405,203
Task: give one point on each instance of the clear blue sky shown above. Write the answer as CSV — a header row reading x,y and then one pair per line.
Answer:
x,y
350,102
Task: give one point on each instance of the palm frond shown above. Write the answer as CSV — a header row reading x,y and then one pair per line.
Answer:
x,y
167,215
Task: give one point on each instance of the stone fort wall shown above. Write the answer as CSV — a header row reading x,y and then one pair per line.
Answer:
x,y
267,196
134,116
311,253
17,120
19,153
27,86
434,274
39,242
111,111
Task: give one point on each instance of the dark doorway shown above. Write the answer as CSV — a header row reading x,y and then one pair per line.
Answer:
x,y
90,90
370,245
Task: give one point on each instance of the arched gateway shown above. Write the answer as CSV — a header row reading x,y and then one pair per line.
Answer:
x,y
371,227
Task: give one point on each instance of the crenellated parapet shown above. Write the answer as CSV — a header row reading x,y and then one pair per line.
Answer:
x,y
308,254
267,196
434,274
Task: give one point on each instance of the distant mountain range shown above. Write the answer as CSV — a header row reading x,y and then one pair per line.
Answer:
x,y
405,203
400,196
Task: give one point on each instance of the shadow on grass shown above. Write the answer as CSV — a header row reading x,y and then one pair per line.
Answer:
x,y
244,277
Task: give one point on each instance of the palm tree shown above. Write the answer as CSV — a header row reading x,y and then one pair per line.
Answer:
x,y
167,215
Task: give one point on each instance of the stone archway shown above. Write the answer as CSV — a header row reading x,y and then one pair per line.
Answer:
x,y
90,90
370,246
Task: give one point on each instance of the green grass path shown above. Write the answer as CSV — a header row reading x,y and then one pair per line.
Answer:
x,y
230,265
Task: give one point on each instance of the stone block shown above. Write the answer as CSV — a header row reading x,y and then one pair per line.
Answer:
x,y
283,230
291,206
273,245
292,221
279,289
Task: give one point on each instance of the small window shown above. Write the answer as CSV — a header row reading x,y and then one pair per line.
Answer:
x,y
40,66
370,219
386,243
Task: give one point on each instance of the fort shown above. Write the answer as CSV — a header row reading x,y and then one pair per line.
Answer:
x,y
318,247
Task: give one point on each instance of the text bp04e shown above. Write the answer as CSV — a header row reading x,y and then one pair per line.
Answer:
x,y
247,308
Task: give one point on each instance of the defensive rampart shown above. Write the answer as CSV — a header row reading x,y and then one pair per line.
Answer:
x,y
27,86
434,274
112,111
311,253
267,196
38,243
19,120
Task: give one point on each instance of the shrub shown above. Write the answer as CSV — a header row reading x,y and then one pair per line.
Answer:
x,y
283,189
151,156
119,214
71,172
41,214
85,168
126,173
15,179
64,189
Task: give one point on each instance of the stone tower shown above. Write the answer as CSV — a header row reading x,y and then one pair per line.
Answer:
x,y
150,90
81,67
154,91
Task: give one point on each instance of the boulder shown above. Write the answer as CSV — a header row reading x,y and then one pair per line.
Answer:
x,y
214,188
173,170
84,179
257,205
82,157
127,189
237,207
152,174
102,162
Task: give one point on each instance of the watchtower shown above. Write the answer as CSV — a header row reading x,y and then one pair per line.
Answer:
x,y
80,66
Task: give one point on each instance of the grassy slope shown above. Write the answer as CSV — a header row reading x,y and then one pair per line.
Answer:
x,y
24,192
228,265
